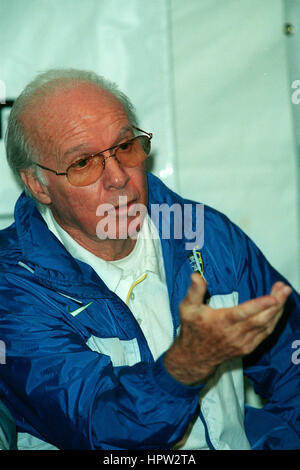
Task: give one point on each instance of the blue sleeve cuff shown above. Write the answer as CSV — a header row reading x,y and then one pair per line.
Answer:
x,y
170,385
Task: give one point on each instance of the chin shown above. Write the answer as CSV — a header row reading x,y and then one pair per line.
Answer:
x,y
118,229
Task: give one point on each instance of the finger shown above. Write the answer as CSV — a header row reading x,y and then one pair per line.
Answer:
x,y
253,341
276,287
267,319
255,337
252,307
270,326
196,290
281,291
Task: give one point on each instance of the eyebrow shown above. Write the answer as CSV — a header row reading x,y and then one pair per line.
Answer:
x,y
122,132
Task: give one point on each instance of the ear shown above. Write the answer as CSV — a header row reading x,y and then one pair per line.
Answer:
x,y
37,189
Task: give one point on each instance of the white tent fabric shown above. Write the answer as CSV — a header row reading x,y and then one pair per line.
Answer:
x,y
209,78
234,125
127,42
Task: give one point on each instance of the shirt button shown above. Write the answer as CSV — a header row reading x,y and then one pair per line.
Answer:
x,y
139,320
132,296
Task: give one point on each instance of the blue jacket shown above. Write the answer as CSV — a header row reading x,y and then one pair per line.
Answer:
x,y
61,391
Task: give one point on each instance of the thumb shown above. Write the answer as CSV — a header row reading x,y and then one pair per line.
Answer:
x,y
196,290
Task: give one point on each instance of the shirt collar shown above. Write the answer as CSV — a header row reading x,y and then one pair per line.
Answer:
x,y
147,250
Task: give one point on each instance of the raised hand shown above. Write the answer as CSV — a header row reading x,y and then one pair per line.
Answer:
x,y
209,336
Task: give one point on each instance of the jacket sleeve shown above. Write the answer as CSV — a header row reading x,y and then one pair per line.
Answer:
x,y
272,367
72,397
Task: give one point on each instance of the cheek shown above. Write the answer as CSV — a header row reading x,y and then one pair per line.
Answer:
x,y
83,211
83,199
138,179
71,201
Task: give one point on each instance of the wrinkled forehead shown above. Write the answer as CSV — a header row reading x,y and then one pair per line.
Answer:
x,y
67,115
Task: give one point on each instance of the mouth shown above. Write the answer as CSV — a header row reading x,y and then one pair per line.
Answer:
x,y
124,208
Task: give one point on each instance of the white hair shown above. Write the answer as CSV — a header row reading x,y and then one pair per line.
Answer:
x,y
21,154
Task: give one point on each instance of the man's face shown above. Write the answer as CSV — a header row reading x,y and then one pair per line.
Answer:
x,y
73,123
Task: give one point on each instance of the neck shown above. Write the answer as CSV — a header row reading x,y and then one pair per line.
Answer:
x,y
108,250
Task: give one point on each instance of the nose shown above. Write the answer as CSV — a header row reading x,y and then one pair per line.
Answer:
x,y
114,176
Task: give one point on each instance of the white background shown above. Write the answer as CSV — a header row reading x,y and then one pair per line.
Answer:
x,y
210,78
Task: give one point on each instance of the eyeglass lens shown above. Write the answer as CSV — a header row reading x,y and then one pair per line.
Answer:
x,y
129,154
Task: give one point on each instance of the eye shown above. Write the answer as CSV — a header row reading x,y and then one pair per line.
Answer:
x,y
81,163
125,146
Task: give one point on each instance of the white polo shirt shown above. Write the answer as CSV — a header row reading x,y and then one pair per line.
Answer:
x,y
137,279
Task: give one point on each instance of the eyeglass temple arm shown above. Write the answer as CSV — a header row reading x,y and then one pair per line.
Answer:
x,y
50,169
149,134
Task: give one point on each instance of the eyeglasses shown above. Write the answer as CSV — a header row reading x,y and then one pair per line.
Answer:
x,y
87,170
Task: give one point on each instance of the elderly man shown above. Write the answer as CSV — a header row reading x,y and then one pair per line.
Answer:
x,y
118,337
